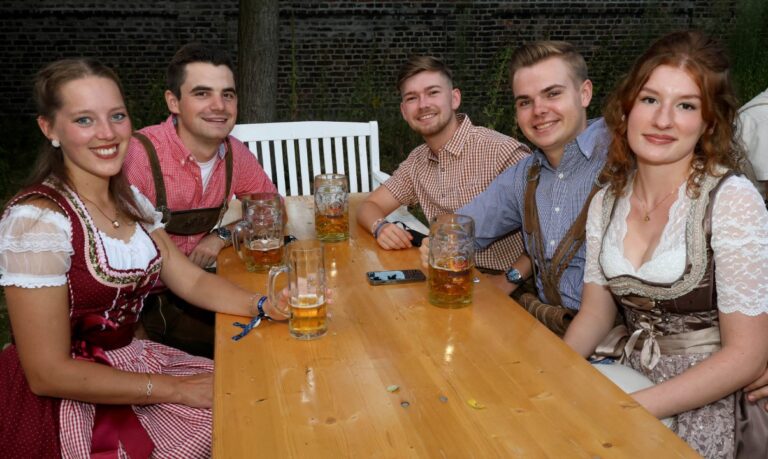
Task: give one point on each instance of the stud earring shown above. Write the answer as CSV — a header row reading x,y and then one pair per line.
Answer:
x,y
55,143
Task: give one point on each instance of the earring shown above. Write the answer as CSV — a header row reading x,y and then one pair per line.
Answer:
x,y
55,143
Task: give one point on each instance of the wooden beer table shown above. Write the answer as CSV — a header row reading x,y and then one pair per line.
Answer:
x,y
396,377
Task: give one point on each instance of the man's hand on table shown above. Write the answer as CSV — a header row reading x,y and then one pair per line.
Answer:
x,y
207,250
392,237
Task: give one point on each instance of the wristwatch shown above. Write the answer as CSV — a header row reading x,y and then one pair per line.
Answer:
x,y
225,235
514,277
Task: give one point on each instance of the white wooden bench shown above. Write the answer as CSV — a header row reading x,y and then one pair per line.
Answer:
x,y
294,152
309,148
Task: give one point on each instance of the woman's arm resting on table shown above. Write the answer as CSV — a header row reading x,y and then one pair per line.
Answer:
x,y
741,360
593,321
40,321
204,289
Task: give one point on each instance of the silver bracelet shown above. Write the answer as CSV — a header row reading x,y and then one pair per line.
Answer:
x,y
149,385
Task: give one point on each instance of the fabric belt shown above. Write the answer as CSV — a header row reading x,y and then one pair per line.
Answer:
x,y
651,346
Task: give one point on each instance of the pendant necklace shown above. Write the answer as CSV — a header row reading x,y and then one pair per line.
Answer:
x,y
647,212
115,222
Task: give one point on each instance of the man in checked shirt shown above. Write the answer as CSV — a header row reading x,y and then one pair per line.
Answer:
x,y
455,163
198,167
551,92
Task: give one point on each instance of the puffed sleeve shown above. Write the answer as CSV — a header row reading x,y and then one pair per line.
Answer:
x,y
592,271
147,208
35,247
740,245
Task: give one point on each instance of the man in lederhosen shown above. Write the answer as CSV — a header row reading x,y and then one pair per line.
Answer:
x,y
190,167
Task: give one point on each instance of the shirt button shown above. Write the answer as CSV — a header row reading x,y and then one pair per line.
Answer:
x,y
557,209
560,175
183,162
552,242
442,169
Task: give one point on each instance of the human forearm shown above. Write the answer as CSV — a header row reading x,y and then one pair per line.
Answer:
x,y
593,321
369,213
96,383
723,373
739,362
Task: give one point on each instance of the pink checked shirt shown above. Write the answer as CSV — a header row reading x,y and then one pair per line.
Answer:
x,y
442,182
183,181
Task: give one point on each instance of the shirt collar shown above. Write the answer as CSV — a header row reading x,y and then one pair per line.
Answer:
x,y
592,139
455,146
183,151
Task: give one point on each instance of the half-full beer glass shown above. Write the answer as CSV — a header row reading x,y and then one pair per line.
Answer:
x,y
331,207
451,259
258,238
305,266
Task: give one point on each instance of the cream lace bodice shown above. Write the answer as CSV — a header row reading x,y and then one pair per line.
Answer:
x,y
739,242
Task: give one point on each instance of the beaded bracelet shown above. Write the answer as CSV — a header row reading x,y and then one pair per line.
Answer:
x,y
378,229
376,224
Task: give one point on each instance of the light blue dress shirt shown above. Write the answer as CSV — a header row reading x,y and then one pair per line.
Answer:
x,y
560,197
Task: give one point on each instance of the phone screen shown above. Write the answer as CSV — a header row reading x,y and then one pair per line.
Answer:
x,y
395,276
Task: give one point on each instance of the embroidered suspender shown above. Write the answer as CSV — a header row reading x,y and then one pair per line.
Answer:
x,y
185,222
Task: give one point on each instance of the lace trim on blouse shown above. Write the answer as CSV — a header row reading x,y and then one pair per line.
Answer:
x,y
739,242
36,245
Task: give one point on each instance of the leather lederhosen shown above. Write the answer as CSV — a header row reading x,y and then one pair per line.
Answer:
x,y
185,222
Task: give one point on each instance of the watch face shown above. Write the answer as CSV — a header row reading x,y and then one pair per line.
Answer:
x,y
513,276
224,233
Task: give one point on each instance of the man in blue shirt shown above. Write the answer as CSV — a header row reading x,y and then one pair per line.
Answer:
x,y
551,92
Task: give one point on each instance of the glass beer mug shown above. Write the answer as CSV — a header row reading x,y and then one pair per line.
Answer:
x,y
305,267
331,207
451,259
258,238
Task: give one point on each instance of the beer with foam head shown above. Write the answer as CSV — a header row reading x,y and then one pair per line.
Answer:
x,y
450,283
308,317
262,254
331,207
451,259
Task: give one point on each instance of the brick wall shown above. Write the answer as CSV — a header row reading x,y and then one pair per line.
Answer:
x,y
341,56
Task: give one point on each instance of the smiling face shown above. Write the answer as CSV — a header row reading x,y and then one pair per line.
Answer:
x,y
428,104
550,106
206,111
92,126
666,121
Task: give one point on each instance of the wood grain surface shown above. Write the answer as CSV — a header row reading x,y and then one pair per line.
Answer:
x,y
483,381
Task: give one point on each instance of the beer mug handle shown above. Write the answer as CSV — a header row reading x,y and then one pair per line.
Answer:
x,y
237,238
274,297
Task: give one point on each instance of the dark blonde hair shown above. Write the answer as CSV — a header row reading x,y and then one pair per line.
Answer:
x,y
537,51
418,64
706,61
50,161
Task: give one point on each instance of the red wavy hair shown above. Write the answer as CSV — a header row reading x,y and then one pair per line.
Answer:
x,y
706,61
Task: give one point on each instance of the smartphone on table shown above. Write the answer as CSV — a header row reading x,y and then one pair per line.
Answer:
x,y
400,276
